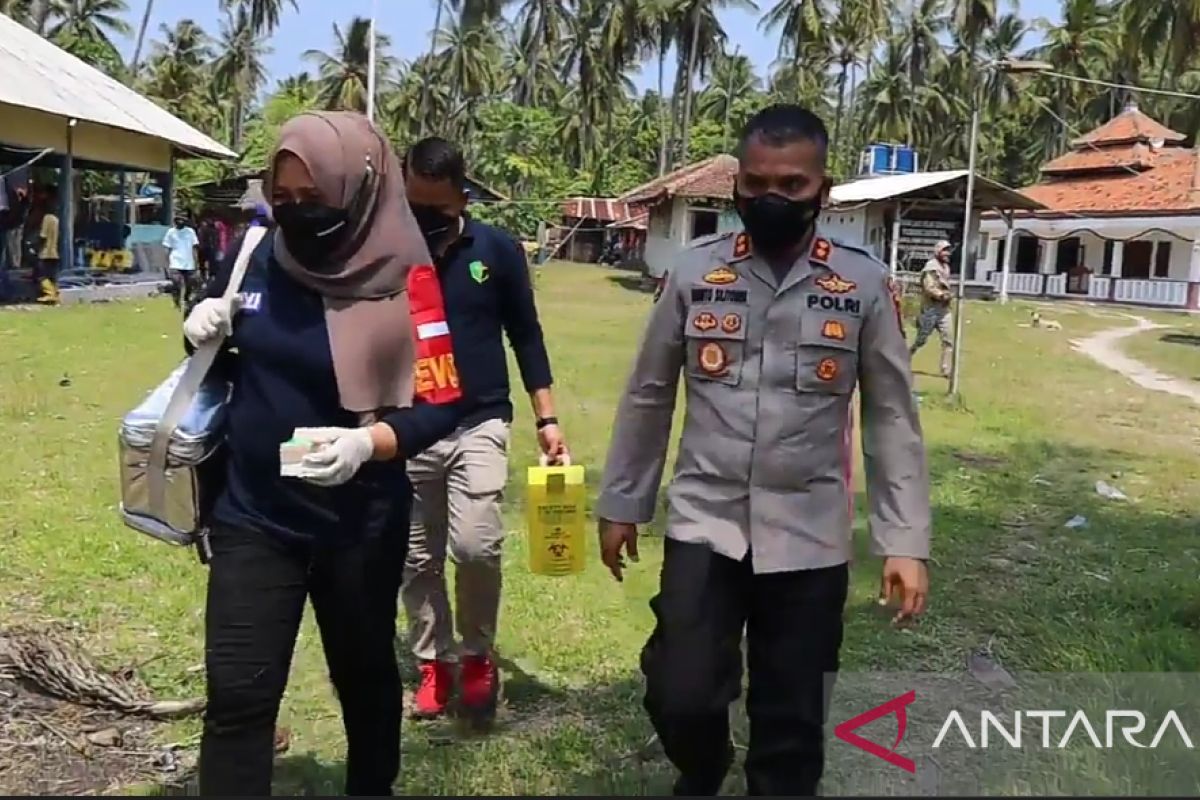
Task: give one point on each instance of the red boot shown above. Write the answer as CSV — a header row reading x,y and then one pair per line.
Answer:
x,y
433,692
480,688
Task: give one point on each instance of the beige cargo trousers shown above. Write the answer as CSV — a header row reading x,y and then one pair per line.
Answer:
x,y
458,485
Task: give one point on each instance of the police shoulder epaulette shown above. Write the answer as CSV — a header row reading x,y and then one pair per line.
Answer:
x,y
858,249
711,238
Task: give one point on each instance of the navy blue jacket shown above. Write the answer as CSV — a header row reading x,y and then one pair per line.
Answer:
x,y
485,283
281,369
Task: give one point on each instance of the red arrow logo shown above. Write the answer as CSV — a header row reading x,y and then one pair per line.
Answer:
x,y
896,706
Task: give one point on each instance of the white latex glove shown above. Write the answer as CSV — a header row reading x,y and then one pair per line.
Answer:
x,y
209,319
340,454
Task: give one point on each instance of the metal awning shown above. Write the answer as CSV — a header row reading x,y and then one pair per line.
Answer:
x,y
946,187
43,89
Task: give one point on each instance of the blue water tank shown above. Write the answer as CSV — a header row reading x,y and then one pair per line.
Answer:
x,y
904,159
881,158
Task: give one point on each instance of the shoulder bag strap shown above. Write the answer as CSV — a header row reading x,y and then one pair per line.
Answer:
x,y
181,399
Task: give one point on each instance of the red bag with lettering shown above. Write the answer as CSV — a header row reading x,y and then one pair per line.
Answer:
x,y
436,375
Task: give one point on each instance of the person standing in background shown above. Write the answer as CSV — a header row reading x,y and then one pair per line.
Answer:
x,y
935,305
183,246
47,269
459,482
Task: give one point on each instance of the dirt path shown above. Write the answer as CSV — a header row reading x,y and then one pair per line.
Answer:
x,y
1104,348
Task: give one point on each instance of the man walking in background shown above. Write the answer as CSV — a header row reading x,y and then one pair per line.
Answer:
x,y
47,263
458,483
183,248
935,305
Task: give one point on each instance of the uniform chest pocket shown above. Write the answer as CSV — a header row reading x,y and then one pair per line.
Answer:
x,y
827,354
716,343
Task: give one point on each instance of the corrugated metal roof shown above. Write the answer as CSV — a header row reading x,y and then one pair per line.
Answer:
x,y
37,74
914,185
604,209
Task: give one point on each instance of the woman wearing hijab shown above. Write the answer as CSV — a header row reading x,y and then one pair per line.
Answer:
x,y
321,346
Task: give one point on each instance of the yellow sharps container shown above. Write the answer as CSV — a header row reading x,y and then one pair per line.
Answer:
x,y
556,508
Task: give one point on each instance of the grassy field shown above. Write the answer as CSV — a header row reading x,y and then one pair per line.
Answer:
x,y
1038,426
1174,350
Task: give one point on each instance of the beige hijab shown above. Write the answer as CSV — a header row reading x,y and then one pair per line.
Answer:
x,y
366,300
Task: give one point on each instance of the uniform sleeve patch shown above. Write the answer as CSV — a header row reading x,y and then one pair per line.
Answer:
x,y
894,290
721,276
658,290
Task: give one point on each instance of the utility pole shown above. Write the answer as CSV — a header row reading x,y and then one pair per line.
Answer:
x,y
955,372
425,78
371,64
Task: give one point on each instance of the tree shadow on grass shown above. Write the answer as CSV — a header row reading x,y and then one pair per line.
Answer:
x,y
1181,338
633,282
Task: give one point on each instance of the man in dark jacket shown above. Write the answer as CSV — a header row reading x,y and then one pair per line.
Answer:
x,y
458,482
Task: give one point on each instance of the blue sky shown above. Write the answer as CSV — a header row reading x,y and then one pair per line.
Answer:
x,y
408,23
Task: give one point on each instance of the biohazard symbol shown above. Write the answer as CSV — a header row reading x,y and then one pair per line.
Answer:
x,y
820,251
832,329
731,323
713,359
836,284
721,276
827,370
705,321
558,550
741,246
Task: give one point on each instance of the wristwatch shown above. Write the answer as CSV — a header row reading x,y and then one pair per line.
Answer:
x,y
545,422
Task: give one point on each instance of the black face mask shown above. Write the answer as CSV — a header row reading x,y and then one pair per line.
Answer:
x,y
776,223
435,226
313,232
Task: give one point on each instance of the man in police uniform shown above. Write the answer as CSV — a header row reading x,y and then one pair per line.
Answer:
x,y
935,304
773,329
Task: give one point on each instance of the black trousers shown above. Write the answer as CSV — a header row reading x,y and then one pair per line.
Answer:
x,y
257,587
693,668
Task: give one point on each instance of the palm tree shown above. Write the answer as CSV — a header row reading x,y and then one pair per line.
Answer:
x,y
541,23
437,27
89,20
801,24
178,72
701,37
1149,24
238,71
661,19
1078,46
733,79
262,15
343,76
33,14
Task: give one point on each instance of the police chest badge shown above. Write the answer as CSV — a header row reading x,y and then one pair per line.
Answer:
x,y
731,323
713,359
827,370
705,321
721,276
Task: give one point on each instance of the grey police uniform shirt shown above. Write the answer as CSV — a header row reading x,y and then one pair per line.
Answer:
x,y
770,370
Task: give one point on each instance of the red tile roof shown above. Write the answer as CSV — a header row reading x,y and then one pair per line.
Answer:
x,y
1130,126
604,209
711,179
1128,166
1121,157
1171,186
